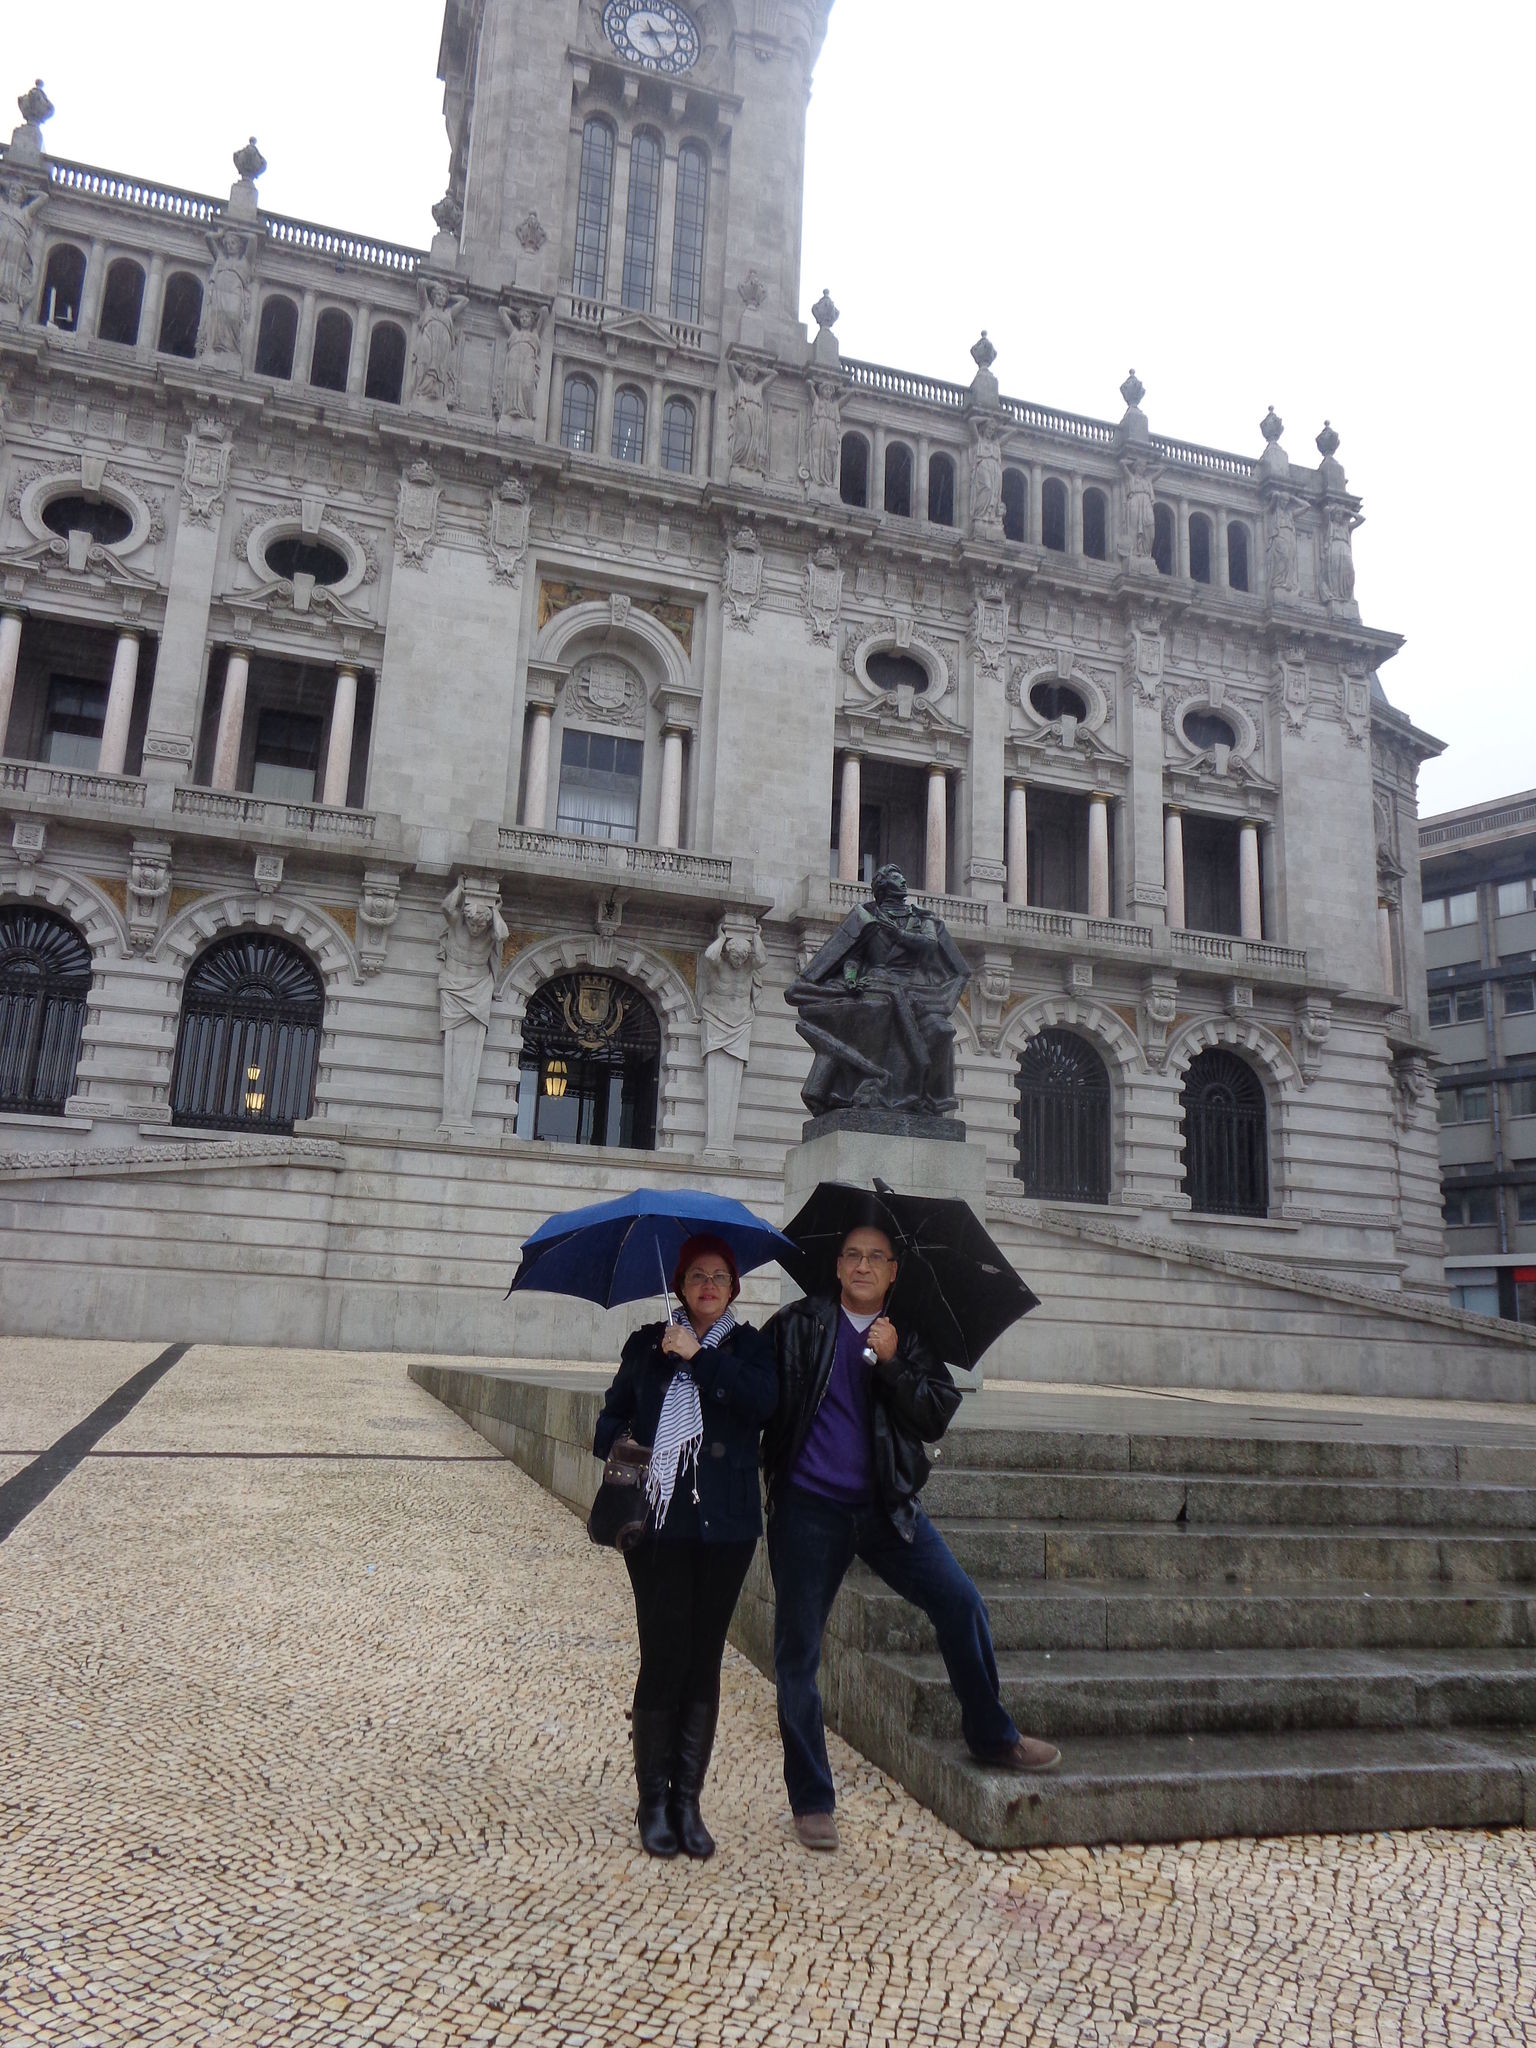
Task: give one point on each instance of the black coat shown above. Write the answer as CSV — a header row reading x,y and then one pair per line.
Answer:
x,y
913,1401
737,1387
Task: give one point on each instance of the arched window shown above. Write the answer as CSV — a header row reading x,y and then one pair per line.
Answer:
x,y
1015,502
1226,1149
276,333
578,415
122,301
1053,515
853,470
1199,547
1095,525
1162,539
677,424
688,232
594,196
1237,555
249,1040
1063,1119
331,357
898,479
45,977
63,282
941,491
639,278
181,312
385,378
591,1064
628,443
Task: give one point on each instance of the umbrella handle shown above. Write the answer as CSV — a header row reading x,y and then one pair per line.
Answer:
x,y
666,1292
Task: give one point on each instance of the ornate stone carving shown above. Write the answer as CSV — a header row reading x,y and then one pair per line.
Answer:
x,y
416,514
750,379
989,627
205,472
609,692
531,233
1147,661
268,873
469,949
728,979
20,212
825,312
29,836
743,578
1293,684
194,1154
226,299
824,438
1140,479
1413,1090
1240,998
989,997
823,594
1314,1022
434,382
149,891
1280,551
515,398
1336,562
448,214
1355,705
35,108
752,292
986,480
506,529
1160,1009
378,905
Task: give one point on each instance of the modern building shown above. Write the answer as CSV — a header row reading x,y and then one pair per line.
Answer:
x,y
445,691
1479,869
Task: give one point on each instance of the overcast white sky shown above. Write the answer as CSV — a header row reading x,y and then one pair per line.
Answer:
x,y
1322,206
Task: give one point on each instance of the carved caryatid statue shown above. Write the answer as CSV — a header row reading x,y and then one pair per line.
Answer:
x,y
518,396
19,212
435,345
1140,508
986,478
825,440
1338,560
469,949
227,299
729,975
1280,546
749,419
875,1007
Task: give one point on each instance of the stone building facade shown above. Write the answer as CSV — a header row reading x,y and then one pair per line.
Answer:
x,y
447,691
1479,869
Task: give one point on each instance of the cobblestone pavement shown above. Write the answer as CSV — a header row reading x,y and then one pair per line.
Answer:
x,y
312,1728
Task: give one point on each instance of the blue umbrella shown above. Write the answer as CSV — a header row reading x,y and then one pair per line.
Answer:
x,y
612,1252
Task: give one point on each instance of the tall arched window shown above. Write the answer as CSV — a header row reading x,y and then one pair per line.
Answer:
x,y
578,415
63,282
45,977
1226,1147
1199,547
1095,525
385,377
249,1040
639,279
276,333
594,197
1162,539
1015,499
898,479
122,301
941,491
1237,555
853,470
628,425
1053,515
688,232
1063,1119
331,358
591,1064
677,427
181,312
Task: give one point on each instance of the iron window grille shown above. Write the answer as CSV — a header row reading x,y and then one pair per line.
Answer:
x,y
45,978
249,1041
1063,1120
1226,1143
591,1064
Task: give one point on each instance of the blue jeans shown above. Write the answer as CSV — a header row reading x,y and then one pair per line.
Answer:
x,y
811,1543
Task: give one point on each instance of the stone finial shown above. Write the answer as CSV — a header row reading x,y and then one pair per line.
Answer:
x,y
448,214
984,392
35,105
249,161
1274,463
27,140
1133,424
983,354
1331,470
1272,426
1133,391
1327,443
824,312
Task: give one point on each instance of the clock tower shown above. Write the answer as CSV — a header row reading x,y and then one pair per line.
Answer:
x,y
640,157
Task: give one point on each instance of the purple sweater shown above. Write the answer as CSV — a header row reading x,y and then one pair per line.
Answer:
x,y
837,1458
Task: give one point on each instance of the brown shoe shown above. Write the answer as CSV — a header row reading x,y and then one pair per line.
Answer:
x,y
816,1830
1027,1754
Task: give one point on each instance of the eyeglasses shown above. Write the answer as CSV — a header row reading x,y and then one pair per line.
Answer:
x,y
706,1279
865,1259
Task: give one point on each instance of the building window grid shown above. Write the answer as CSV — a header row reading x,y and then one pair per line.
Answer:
x,y
637,283
594,198
578,415
628,441
1520,996
1514,898
1441,913
677,430
688,220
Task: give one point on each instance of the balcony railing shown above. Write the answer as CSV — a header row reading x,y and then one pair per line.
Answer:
x,y
598,313
1225,952
37,778
266,814
615,856
1029,922
1484,823
965,911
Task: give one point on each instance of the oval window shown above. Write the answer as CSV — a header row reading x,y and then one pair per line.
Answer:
x,y
100,518
1205,729
1056,700
294,556
894,671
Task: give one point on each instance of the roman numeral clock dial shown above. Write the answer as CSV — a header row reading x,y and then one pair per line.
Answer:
x,y
654,34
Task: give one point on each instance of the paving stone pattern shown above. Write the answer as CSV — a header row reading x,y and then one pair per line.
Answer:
x,y
330,1749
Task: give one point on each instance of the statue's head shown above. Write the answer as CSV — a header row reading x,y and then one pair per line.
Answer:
x,y
737,952
439,295
890,884
477,917
231,243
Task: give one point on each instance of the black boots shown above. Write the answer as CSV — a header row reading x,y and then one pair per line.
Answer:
x,y
654,1732
695,1739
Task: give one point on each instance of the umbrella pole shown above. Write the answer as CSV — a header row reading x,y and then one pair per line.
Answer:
x,y
666,1292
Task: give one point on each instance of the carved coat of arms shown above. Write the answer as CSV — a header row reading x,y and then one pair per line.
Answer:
x,y
416,519
823,594
507,530
743,578
205,472
594,1011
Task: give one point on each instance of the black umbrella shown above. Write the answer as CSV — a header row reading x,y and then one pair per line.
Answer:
x,y
953,1283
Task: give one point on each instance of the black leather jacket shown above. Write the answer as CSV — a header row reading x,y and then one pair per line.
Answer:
x,y
914,1401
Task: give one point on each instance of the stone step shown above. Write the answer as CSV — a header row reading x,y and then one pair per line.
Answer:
x,y
1180,1788
1052,1496
1239,1555
1343,1614
984,1449
1065,1694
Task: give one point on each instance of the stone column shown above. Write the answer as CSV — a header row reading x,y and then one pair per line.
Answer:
x,y
848,821
10,654
1173,868
338,755
357,368
536,790
114,731
1384,945
91,288
1251,911
149,309
1075,519
226,749
1018,844
936,871
1098,855
1219,575
669,831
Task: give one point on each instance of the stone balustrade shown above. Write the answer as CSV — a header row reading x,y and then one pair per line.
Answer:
x,y
274,816
71,787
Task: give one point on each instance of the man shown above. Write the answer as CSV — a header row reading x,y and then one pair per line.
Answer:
x,y
845,1462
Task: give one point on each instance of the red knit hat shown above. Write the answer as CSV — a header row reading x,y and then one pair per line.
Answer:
x,y
705,1246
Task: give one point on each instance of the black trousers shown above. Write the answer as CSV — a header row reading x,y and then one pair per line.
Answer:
x,y
685,1595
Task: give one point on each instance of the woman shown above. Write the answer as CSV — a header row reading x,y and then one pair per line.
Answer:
x,y
697,1392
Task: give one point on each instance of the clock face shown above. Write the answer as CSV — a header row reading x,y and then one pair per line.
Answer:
x,y
654,34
